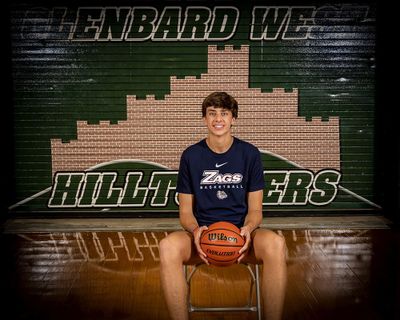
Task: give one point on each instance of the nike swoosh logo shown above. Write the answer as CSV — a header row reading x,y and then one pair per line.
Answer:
x,y
220,165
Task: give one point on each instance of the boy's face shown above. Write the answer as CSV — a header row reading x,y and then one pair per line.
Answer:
x,y
218,121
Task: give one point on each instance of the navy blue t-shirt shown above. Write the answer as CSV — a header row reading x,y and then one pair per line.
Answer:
x,y
220,181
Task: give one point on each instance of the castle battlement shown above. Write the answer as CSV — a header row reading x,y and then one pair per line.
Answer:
x,y
158,130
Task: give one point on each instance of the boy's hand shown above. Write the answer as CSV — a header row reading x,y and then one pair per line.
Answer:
x,y
197,235
245,233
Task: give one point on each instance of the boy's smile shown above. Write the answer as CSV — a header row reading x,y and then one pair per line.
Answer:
x,y
218,121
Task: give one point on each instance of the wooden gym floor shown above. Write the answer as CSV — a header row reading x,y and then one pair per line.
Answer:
x,y
338,268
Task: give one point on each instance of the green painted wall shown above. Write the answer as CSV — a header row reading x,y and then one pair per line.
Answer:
x,y
57,82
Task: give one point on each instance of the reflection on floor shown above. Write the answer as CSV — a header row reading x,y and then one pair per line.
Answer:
x,y
333,274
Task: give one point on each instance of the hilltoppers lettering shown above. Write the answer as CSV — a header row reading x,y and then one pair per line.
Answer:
x,y
100,189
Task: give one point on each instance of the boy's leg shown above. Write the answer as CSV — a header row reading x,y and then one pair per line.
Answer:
x,y
270,248
175,250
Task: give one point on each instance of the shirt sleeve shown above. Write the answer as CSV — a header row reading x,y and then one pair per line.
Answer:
x,y
184,183
256,177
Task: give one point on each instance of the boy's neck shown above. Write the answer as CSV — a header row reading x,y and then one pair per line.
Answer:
x,y
219,144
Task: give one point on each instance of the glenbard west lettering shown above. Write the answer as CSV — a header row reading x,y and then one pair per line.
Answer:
x,y
192,23
100,189
136,23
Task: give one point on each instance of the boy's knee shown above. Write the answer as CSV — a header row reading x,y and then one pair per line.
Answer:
x,y
274,245
169,249
280,242
281,246
165,246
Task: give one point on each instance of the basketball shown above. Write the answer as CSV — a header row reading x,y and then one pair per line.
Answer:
x,y
221,243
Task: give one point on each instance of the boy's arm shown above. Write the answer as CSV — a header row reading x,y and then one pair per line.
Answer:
x,y
253,219
186,216
189,222
254,214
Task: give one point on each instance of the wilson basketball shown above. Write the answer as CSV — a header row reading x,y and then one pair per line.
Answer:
x,y
221,243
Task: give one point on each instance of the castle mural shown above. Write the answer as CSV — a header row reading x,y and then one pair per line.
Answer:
x,y
159,130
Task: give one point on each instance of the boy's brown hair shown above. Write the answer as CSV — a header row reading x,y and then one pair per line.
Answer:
x,y
220,100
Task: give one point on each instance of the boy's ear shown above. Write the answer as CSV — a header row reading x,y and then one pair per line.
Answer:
x,y
233,122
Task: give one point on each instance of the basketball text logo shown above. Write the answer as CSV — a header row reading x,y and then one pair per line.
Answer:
x,y
220,253
221,237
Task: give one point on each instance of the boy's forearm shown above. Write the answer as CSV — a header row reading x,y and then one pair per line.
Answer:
x,y
188,221
253,220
